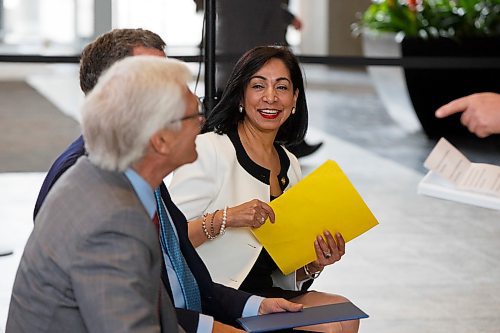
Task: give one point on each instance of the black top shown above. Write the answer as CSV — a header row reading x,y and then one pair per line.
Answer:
x,y
259,281
258,172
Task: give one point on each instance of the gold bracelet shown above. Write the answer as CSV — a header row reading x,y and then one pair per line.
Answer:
x,y
212,229
204,227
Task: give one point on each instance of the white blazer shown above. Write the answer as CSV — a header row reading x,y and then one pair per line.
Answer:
x,y
216,180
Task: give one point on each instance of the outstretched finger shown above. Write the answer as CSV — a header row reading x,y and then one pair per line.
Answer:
x,y
458,105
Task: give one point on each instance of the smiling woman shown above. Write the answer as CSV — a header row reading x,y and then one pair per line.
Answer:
x,y
272,69
269,92
269,100
241,166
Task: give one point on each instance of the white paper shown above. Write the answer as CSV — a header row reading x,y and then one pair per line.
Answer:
x,y
449,163
436,186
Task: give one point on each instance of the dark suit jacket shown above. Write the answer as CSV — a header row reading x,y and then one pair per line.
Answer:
x,y
61,164
223,303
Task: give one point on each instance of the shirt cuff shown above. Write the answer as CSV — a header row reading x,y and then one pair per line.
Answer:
x,y
205,324
252,306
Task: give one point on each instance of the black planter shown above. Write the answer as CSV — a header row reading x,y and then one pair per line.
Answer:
x,y
431,88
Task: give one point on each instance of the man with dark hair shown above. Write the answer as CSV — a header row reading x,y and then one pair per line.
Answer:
x,y
218,303
112,46
95,59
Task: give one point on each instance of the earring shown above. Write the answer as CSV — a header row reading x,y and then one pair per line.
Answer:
x,y
293,110
240,108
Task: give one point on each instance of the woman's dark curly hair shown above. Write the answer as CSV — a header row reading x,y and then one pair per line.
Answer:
x,y
225,117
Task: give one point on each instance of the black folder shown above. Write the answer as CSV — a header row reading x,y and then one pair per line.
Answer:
x,y
309,316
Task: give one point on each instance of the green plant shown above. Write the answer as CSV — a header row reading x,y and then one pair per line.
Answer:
x,y
433,18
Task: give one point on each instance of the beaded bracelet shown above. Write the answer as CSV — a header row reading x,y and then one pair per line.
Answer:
x,y
204,227
224,221
311,275
212,229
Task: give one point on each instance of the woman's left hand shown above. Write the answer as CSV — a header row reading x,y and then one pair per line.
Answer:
x,y
328,252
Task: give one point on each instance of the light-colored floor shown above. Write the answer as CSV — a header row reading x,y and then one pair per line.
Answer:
x,y
18,193
430,266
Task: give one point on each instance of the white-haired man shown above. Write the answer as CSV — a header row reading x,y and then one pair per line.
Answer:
x,y
93,260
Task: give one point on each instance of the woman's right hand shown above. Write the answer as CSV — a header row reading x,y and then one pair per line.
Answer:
x,y
253,214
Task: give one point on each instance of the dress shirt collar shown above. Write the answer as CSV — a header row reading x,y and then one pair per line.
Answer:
x,y
143,191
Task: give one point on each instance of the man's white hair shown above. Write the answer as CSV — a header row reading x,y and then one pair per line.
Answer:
x,y
133,99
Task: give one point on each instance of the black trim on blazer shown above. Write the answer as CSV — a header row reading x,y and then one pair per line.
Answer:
x,y
258,172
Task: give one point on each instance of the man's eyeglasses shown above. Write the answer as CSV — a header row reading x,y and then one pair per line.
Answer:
x,y
200,114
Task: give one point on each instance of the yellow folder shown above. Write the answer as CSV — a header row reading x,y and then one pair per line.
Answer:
x,y
323,200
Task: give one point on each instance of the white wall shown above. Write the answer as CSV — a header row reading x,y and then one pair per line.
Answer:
x,y
314,39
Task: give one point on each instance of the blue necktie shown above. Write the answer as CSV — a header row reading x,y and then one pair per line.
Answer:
x,y
170,246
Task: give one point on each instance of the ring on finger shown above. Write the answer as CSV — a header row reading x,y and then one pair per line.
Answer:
x,y
327,255
262,220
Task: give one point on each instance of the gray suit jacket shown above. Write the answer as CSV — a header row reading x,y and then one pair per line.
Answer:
x,y
92,262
